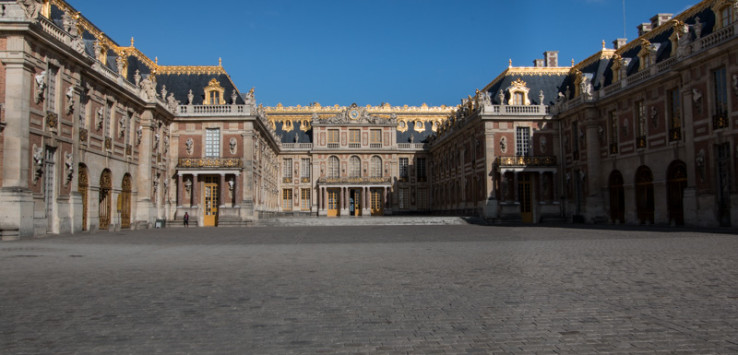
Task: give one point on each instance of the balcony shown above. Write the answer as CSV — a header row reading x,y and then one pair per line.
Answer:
x,y
355,181
516,110
524,162
209,163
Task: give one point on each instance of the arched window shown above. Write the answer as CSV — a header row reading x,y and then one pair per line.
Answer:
x,y
355,167
376,167
519,98
333,167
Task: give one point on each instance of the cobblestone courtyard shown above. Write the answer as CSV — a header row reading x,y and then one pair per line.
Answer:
x,y
414,289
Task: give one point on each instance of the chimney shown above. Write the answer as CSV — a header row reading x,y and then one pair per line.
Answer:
x,y
551,58
660,19
619,43
538,63
644,28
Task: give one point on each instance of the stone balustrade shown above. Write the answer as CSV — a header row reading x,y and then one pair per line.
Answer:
x,y
522,161
213,110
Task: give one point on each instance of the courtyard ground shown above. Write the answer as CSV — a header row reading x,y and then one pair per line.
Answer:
x,y
371,289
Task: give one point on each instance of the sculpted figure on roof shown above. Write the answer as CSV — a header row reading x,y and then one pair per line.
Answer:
x,y
32,8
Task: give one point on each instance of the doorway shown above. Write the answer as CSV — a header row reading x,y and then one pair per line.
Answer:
x,y
355,203
125,202
82,186
617,197
526,197
676,181
210,218
333,195
644,195
105,199
376,202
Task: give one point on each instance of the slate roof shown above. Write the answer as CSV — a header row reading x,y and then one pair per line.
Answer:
x,y
550,83
180,85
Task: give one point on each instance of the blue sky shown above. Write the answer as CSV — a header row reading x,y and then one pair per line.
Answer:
x,y
405,52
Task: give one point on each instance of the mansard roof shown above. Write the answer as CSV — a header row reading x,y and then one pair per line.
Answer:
x,y
180,80
551,80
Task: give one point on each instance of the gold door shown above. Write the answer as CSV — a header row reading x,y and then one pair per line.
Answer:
x,y
211,202
332,202
376,202
526,205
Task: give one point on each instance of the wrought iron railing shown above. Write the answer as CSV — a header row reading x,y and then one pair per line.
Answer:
x,y
209,163
523,161
355,180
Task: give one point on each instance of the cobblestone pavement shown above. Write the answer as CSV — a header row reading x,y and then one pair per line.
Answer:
x,y
402,289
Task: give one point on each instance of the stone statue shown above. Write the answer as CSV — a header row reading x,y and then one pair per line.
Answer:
x,y
654,117
234,96
501,97
172,103
40,86
120,64
166,142
67,22
189,143
233,144
70,99
157,137
78,44
69,164
188,185
99,119
137,78
122,126
503,144
697,27
139,135
32,8
97,50
190,97
148,89
250,97
163,92
38,162
540,98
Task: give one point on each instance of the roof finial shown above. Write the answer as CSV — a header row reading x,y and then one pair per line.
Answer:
x,y
156,60
220,61
572,62
131,41
509,63
603,44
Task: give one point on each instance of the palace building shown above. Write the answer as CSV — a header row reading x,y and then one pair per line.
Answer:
x,y
96,135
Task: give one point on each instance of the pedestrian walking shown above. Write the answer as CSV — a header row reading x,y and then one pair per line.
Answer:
x,y
186,219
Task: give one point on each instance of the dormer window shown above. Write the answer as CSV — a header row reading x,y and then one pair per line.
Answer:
x,y
518,93
724,12
214,93
645,55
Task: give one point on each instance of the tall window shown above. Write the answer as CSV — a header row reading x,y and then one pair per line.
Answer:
x,y
726,16
108,118
613,120
354,138
522,141
305,168
375,138
641,124
675,115
287,199
287,168
51,96
403,169
518,98
214,97
420,170
212,142
720,92
332,138
333,167
355,167
376,167
305,199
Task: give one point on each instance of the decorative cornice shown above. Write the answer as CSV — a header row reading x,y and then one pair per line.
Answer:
x,y
187,70
317,108
603,54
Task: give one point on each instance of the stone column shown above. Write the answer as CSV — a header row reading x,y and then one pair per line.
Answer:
x,y
145,208
237,190
223,191
195,196
180,190
15,197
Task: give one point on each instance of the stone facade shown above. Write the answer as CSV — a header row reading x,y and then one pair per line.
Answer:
x,y
96,135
